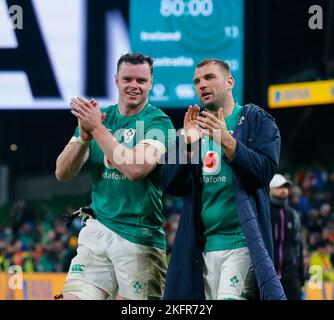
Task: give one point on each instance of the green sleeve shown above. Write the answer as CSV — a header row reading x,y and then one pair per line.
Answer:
x,y
161,129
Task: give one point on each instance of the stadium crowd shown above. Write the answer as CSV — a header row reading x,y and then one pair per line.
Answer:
x,y
45,244
35,244
312,197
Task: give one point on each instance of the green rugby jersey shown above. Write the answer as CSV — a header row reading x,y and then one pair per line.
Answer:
x,y
132,209
222,230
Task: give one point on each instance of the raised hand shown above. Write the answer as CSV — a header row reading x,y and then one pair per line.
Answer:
x,y
192,131
214,126
89,116
85,135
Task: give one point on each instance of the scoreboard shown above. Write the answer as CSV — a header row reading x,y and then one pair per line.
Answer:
x,y
180,33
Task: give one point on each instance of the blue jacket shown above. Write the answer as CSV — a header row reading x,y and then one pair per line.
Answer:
x,y
253,166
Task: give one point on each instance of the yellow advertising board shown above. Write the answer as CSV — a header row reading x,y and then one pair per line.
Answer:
x,y
325,292
30,286
301,94
44,286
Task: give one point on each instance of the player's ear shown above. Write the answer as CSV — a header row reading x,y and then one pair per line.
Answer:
x,y
116,80
151,83
230,83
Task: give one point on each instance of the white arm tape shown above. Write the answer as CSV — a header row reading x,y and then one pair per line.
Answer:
x,y
156,144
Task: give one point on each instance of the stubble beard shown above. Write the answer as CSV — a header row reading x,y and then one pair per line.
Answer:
x,y
211,106
214,106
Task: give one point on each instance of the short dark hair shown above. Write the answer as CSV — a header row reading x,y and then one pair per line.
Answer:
x,y
135,58
221,63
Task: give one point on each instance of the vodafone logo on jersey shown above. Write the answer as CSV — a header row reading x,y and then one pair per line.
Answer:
x,y
107,163
211,163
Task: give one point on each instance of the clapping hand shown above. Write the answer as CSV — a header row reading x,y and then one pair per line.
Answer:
x,y
192,131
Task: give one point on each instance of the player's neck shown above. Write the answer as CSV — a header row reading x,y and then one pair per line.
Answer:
x,y
227,106
130,110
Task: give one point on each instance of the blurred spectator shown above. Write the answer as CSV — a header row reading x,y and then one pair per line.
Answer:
x,y
48,261
329,185
70,252
172,205
172,210
314,223
299,201
26,234
328,232
322,258
22,256
170,227
20,214
288,249
312,241
325,213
